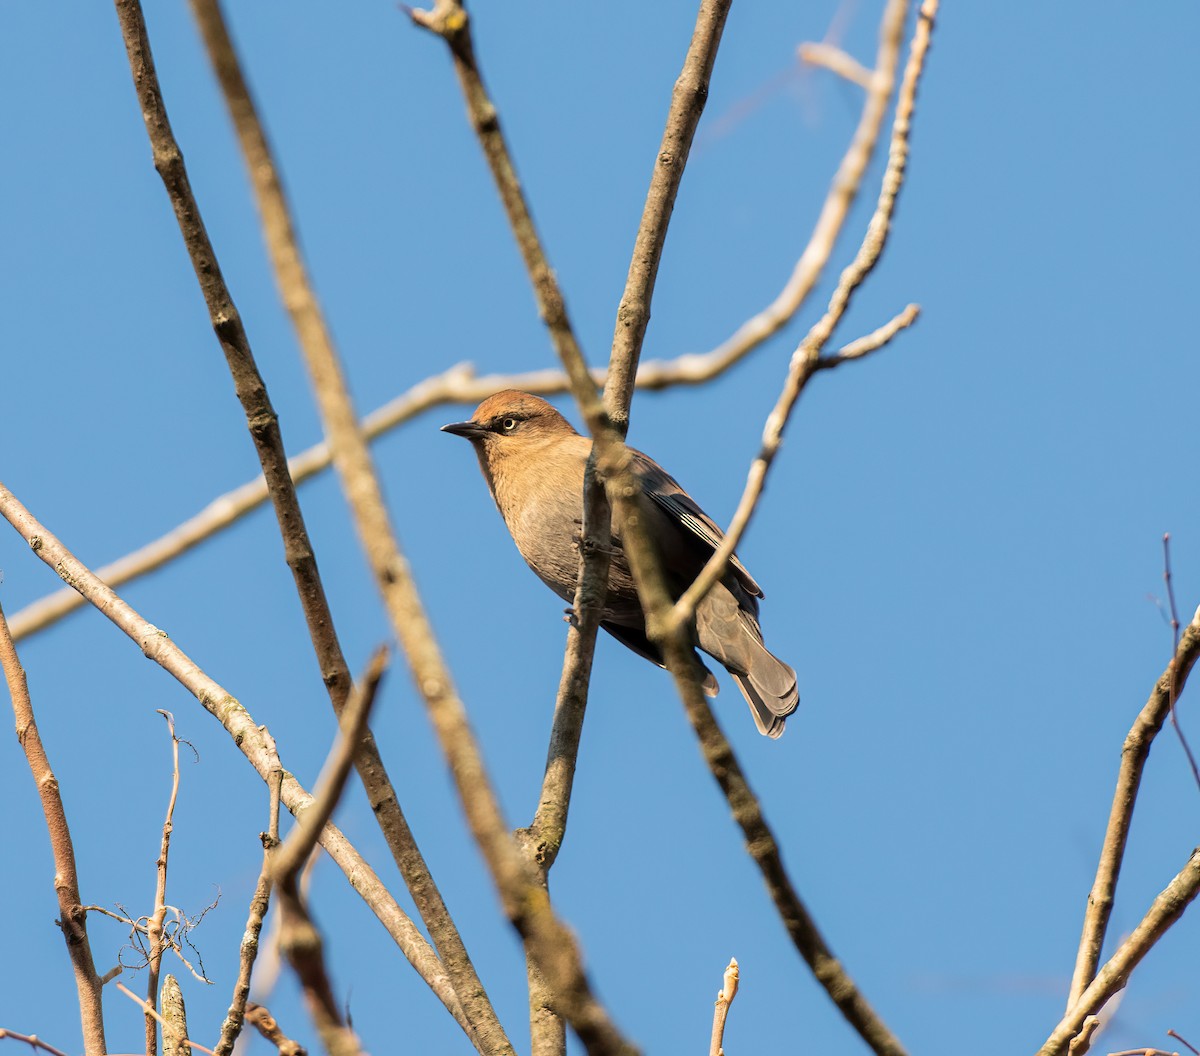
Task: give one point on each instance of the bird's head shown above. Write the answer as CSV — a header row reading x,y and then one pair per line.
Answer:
x,y
509,422
514,433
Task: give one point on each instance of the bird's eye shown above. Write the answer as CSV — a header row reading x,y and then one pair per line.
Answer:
x,y
509,425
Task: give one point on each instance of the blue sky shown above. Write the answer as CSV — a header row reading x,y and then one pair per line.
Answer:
x,y
959,544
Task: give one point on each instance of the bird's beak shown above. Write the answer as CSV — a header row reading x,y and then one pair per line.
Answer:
x,y
471,430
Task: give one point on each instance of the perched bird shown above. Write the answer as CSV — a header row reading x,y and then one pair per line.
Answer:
x,y
533,461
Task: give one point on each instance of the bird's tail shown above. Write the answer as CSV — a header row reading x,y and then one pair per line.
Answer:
x,y
730,634
769,687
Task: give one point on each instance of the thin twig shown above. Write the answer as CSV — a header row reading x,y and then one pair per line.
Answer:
x,y
154,924
288,860
255,743
842,193
837,61
262,1020
259,903
725,998
807,360
1187,1044
299,938
803,370
1187,750
72,914
31,1040
1167,908
687,104
1134,753
763,848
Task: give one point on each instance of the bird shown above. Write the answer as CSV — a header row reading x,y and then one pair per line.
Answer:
x,y
533,461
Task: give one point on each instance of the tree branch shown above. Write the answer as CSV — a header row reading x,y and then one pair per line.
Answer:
x,y
687,105
807,360
263,425
154,924
1134,754
73,914
260,901
299,938
1167,908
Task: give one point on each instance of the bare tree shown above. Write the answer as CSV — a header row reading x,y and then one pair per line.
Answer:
x,y
563,996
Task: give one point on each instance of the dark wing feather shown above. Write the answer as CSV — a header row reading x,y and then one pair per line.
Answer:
x,y
666,493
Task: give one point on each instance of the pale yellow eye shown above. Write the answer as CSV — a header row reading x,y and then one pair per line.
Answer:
x,y
509,424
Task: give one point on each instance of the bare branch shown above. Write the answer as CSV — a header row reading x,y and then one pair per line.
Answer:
x,y
725,998
32,1040
255,743
259,902
842,192
264,429
687,104
807,360
299,938
174,1013
73,915
291,856
148,1008
262,1020
837,61
763,848
1167,908
154,924
1134,753
1187,748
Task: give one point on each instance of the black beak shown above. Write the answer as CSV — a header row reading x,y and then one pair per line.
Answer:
x,y
471,430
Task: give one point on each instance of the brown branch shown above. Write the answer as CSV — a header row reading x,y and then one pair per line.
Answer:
x,y
551,950
264,429
32,1040
725,998
148,1008
1134,753
299,938
449,20
1174,613
687,104
842,192
671,634
543,839
1167,908
73,915
255,743
798,378
807,358
259,903
154,923
262,1020
837,61
763,848
174,1013
251,390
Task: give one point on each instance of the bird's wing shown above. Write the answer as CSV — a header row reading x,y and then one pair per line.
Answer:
x,y
666,493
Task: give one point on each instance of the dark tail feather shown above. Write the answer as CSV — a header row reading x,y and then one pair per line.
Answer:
x,y
730,634
770,689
